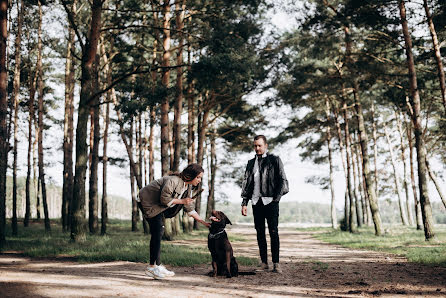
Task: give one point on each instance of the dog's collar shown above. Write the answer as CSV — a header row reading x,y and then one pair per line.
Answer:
x,y
212,236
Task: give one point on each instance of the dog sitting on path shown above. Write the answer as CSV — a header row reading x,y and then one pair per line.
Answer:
x,y
223,260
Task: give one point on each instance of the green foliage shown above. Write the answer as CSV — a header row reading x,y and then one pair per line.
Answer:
x,y
404,241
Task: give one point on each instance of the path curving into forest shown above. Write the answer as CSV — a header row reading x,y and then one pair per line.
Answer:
x,y
311,269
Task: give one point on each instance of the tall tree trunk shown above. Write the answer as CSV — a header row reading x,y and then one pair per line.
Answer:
x,y
403,158
438,58
341,146
141,158
418,216
67,188
36,181
426,210
364,205
4,144
31,118
202,127
132,183
89,50
178,108
334,221
151,136
370,185
375,148
401,204
104,205
146,148
165,83
355,182
93,185
190,117
352,227
15,96
211,197
171,147
40,120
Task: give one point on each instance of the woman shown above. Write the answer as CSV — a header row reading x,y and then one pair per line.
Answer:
x,y
165,197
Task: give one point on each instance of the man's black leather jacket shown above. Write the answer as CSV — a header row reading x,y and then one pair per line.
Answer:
x,y
273,182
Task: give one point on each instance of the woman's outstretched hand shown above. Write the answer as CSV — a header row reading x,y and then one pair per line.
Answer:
x,y
187,201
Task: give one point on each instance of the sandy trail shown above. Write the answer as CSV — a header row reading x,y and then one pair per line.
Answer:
x,y
311,269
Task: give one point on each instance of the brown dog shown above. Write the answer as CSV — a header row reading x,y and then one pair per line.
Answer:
x,y
223,260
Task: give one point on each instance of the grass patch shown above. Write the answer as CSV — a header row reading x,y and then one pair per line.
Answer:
x,y
120,244
403,241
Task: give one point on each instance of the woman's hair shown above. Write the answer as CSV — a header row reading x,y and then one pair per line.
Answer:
x,y
189,173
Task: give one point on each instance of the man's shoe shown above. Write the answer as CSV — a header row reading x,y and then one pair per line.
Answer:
x,y
263,267
276,268
155,272
166,272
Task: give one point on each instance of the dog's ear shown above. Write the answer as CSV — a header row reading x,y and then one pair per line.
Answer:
x,y
226,219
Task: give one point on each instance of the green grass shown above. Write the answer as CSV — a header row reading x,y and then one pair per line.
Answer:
x,y
403,241
120,244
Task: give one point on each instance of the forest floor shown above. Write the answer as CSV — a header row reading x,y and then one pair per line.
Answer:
x,y
311,268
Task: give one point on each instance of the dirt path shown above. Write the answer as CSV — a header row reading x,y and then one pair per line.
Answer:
x,y
311,269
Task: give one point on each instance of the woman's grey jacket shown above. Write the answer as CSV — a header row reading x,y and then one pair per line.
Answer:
x,y
158,195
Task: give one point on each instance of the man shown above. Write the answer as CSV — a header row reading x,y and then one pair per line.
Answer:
x,y
264,184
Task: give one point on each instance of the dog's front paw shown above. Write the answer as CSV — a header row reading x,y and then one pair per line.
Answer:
x,y
228,275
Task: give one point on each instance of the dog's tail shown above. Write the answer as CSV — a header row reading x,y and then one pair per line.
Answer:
x,y
246,273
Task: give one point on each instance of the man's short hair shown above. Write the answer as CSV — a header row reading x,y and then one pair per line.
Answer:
x,y
260,137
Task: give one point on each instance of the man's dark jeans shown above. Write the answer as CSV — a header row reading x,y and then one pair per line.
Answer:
x,y
269,212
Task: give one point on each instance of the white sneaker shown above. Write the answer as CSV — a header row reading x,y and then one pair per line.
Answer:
x,y
155,272
166,272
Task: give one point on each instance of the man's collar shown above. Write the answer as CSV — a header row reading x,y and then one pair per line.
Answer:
x,y
263,156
